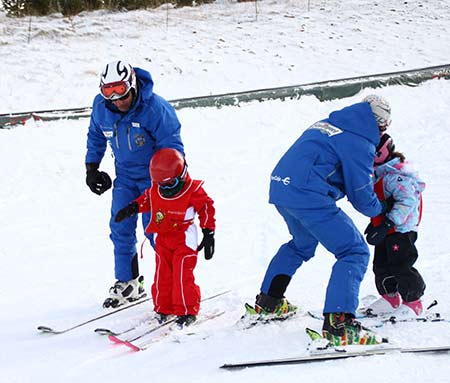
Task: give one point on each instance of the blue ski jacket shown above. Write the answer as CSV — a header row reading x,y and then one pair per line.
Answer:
x,y
332,158
149,125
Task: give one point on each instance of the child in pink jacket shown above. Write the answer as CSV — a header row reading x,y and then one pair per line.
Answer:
x,y
394,234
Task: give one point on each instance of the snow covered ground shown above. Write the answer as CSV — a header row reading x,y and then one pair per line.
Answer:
x,y
55,252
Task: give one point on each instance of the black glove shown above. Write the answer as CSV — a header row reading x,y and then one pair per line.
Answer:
x,y
127,211
387,205
98,182
207,243
375,234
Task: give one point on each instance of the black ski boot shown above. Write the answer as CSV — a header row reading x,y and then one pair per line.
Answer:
x,y
185,320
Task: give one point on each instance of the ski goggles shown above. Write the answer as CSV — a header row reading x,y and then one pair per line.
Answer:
x,y
384,150
115,90
170,184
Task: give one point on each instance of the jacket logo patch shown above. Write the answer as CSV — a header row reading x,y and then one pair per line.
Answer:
x,y
135,124
326,128
108,133
286,180
139,139
159,216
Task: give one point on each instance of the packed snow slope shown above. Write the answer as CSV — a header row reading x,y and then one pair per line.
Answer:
x,y
54,62
57,262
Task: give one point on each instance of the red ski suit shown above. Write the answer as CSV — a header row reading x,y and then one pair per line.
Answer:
x,y
172,219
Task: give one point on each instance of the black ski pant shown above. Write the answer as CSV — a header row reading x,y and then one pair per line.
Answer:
x,y
393,266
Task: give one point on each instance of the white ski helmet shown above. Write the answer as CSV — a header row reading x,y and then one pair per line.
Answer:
x,y
117,79
380,109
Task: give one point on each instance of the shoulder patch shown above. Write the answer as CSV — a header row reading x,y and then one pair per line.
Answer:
x,y
326,128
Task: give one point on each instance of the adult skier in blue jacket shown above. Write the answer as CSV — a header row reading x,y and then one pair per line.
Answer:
x,y
333,158
136,123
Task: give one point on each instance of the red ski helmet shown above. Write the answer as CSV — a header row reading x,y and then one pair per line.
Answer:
x,y
167,165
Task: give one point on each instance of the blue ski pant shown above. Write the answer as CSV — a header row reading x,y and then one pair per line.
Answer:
x,y
337,233
123,234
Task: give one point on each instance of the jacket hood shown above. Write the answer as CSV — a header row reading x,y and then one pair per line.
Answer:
x,y
145,81
358,119
405,169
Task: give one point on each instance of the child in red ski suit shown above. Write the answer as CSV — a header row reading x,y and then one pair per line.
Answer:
x,y
173,200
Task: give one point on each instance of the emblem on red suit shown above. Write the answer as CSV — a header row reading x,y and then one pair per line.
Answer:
x,y
159,216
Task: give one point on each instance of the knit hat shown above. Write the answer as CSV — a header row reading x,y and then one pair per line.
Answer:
x,y
380,109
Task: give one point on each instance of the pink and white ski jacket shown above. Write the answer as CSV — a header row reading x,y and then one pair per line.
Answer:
x,y
401,181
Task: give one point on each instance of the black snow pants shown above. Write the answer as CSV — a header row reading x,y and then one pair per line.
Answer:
x,y
393,267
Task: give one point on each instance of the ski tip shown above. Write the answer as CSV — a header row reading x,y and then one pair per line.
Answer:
x,y
114,339
104,331
432,304
228,366
132,346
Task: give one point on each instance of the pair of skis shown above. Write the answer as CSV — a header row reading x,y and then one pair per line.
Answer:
x,y
51,330
376,322
323,352
154,333
372,320
252,318
331,353
56,331
164,329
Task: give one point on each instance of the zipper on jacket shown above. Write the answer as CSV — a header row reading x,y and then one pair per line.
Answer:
x,y
116,135
128,136
329,175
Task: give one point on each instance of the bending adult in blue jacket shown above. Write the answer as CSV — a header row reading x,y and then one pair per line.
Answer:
x,y
136,123
331,159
